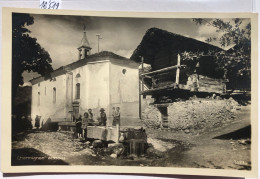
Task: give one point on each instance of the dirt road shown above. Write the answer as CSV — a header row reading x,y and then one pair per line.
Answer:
x,y
225,147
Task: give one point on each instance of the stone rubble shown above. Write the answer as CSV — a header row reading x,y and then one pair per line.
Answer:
x,y
58,145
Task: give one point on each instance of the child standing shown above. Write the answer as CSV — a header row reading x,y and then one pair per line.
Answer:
x,y
79,126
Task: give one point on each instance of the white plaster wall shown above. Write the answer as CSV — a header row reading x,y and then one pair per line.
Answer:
x,y
124,90
47,108
97,91
34,108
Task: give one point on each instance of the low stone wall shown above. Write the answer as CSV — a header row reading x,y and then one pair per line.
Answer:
x,y
193,114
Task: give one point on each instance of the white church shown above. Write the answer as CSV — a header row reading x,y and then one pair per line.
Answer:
x,y
102,80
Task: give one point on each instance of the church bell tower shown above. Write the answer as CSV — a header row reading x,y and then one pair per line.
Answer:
x,y
84,48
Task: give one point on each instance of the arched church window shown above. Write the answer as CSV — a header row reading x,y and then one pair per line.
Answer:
x,y
54,95
78,75
39,96
78,91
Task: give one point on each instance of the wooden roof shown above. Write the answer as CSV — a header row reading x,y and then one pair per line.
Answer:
x,y
157,41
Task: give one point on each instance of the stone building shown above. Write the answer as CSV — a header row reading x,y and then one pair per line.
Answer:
x,y
101,80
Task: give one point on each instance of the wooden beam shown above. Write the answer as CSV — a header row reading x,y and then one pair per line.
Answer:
x,y
162,70
142,63
178,69
173,85
142,72
162,105
140,99
145,76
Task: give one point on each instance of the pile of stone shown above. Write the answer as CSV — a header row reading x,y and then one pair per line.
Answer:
x,y
116,149
151,117
194,114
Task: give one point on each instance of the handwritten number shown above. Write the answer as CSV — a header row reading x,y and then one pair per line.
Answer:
x,y
43,5
49,4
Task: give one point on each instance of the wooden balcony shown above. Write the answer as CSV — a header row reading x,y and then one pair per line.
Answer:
x,y
161,80
175,78
164,70
170,87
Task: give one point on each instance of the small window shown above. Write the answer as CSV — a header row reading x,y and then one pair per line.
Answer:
x,y
54,95
124,71
77,91
78,75
39,96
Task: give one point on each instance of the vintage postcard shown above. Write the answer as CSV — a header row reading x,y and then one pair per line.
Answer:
x,y
121,92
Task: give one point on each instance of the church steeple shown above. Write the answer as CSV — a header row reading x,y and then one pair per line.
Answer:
x,y
84,48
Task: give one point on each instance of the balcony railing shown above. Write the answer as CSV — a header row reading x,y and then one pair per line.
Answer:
x,y
153,76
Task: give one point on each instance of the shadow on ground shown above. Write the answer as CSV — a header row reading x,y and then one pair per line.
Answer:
x,y
242,133
31,156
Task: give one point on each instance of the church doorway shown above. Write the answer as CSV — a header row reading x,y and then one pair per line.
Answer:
x,y
75,110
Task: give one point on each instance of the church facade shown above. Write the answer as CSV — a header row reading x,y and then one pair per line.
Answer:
x,y
102,80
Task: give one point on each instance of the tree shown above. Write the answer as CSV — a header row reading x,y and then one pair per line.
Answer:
x,y
27,53
236,62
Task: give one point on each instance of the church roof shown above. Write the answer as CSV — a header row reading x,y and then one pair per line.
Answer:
x,y
101,56
107,54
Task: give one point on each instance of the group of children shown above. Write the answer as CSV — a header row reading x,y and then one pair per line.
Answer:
x,y
87,120
116,116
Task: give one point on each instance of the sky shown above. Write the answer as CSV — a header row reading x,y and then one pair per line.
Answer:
x,y
60,35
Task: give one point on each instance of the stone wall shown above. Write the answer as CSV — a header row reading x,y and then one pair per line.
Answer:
x,y
193,114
